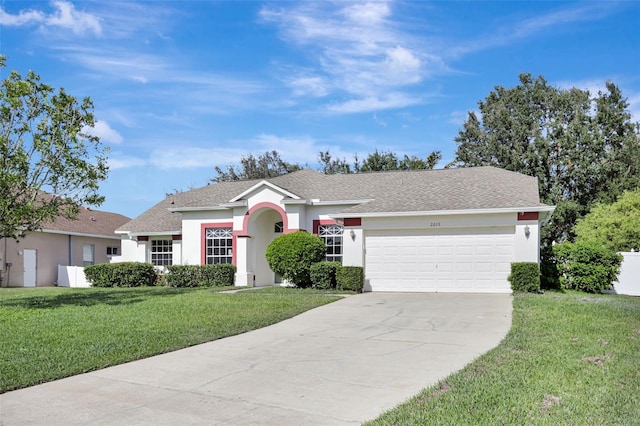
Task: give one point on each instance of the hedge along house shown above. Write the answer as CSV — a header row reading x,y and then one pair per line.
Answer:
x,y
451,230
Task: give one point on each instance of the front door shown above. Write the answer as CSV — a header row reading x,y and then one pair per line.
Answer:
x,y
30,260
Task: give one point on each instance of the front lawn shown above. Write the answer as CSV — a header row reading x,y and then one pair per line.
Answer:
x,y
50,333
569,359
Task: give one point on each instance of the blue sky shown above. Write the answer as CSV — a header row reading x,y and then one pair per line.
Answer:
x,y
182,87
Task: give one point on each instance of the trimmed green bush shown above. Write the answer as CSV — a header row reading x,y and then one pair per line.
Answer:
x,y
587,266
350,278
291,256
323,274
217,275
183,276
525,276
123,274
200,275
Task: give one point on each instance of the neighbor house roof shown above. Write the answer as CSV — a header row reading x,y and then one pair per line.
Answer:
x,y
88,222
477,188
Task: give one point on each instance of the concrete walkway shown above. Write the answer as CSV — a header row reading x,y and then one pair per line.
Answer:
x,y
342,364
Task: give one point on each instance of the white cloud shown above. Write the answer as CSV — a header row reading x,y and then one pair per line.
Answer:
x,y
64,16
563,18
176,157
373,103
291,149
357,51
125,162
370,13
309,86
102,130
24,17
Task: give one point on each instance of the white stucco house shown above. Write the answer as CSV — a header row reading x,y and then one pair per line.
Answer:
x,y
450,230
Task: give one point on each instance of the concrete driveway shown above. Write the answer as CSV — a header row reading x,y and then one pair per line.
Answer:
x,y
340,364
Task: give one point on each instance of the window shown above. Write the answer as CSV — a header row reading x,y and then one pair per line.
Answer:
x,y
278,227
112,251
88,254
162,252
332,237
219,245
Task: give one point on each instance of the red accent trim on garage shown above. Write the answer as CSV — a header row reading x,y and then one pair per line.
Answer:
x,y
352,221
203,240
143,238
318,222
176,237
528,215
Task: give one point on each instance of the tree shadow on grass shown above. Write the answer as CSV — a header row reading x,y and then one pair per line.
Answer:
x,y
90,297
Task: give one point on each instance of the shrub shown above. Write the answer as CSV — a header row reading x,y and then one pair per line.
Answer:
x,y
587,266
525,276
123,274
217,275
200,275
350,278
183,276
291,256
323,274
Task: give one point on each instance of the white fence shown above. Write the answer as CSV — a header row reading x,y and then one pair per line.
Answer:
x,y
72,276
629,277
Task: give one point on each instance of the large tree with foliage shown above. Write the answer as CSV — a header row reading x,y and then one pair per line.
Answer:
x,y
615,226
386,161
49,164
583,149
264,166
270,164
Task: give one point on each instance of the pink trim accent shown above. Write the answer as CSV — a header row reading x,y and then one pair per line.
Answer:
x,y
203,240
528,216
267,205
318,222
352,221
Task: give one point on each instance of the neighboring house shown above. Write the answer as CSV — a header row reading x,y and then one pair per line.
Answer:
x,y
451,230
34,260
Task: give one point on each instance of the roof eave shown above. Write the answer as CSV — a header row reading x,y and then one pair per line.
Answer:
x,y
147,233
79,234
219,207
542,209
339,202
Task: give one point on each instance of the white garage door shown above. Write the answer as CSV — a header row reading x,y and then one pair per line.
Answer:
x,y
453,260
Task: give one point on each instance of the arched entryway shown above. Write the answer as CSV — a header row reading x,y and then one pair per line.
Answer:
x,y
262,225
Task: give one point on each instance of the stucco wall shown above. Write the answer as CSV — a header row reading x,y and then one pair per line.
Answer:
x,y
51,250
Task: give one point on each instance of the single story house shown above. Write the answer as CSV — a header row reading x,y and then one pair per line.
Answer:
x,y
450,230
33,261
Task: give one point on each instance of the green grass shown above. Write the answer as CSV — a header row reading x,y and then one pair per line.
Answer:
x,y
569,359
50,333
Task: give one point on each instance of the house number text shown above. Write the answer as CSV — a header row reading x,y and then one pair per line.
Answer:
x,y
434,224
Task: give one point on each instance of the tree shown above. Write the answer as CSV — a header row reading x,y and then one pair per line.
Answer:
x,y
265,166
377,162
50,164
582,149
615,226
335,166
386,161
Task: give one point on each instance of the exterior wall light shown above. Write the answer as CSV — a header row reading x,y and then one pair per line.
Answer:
x,y
527,231
353,235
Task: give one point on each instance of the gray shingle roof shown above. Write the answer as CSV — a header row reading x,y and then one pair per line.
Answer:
x,y
90,222
474,188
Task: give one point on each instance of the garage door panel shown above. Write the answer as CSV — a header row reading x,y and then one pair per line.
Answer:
x,y
440,260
